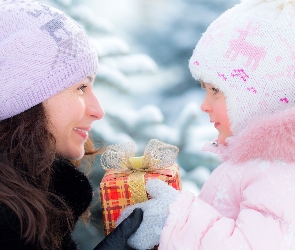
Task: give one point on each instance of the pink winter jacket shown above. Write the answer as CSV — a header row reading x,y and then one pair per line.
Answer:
x,y
249,200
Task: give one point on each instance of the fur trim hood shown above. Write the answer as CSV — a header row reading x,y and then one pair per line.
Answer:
x,y
268,138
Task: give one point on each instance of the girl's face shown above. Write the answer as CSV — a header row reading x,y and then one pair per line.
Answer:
x,y
71,114
215,105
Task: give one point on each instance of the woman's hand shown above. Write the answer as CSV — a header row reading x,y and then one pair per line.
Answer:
x,y
117,240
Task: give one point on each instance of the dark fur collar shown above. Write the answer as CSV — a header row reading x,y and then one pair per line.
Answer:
x,y
72,185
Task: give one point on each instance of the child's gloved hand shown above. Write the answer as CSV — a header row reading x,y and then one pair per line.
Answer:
x,y
155,213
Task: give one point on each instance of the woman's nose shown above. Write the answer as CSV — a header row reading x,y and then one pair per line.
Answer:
x,y
95,110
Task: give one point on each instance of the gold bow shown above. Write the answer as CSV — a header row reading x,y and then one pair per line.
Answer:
x,y
121,158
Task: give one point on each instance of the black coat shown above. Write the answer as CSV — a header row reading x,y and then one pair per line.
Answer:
x,y
68,183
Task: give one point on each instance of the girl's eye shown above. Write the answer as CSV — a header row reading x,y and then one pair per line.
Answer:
x,y
82,88
215,90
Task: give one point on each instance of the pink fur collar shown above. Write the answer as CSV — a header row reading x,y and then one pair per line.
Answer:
x,y
270,138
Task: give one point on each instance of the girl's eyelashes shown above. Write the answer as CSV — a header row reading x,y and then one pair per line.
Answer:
x,y
82,88
215,90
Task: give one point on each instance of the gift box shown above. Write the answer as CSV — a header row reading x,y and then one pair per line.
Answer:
x,y
124,181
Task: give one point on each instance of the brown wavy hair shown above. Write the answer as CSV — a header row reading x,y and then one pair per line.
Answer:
x,y
27,150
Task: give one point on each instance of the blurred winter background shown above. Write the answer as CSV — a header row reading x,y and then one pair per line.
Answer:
x,y
144,83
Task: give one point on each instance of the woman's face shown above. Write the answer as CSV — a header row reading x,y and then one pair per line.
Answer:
x,y
71,114
215,105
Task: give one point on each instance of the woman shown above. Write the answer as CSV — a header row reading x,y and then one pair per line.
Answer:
x,y
48,106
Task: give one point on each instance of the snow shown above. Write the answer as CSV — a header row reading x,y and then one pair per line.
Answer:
x,y
135,63
87,17
198,175
188,185
113,77
65,2
109,46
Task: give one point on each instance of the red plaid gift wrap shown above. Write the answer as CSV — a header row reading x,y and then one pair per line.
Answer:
x,y
116,195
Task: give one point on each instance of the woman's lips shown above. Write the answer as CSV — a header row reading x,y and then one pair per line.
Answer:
x,y
82,132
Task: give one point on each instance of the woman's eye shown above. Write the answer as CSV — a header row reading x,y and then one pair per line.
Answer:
x,y
82,88
215,90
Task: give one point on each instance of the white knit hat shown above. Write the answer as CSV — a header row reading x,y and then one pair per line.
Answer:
x,y
249,54
42,52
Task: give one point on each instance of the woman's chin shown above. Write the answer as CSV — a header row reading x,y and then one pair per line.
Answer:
x,y
74,154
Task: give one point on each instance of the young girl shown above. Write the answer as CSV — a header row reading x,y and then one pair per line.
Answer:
x,y
47,109
246,63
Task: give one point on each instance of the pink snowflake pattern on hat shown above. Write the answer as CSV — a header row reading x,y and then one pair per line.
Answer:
x,y
240,73
252,89
285,100
222,76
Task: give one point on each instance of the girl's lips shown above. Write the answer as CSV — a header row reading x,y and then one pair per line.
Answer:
x,y
82,132
216,124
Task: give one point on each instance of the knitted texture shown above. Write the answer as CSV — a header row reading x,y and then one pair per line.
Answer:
x,y
155,213
42,52
249,54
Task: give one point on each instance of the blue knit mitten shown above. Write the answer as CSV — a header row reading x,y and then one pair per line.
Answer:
x,y
155,214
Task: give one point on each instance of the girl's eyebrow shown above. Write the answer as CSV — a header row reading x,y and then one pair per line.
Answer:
x,y
203,85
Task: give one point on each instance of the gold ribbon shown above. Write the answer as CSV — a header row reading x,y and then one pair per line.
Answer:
x,y
121,158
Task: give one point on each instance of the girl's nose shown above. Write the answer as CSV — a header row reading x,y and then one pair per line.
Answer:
x,y
205,106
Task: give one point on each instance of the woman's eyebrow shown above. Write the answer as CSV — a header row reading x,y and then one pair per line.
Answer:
x,y
90,78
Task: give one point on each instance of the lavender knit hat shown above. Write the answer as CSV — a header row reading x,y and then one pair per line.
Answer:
x,y
42,52
249,54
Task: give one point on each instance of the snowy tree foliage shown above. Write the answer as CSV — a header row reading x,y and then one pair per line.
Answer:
x,y
145,85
